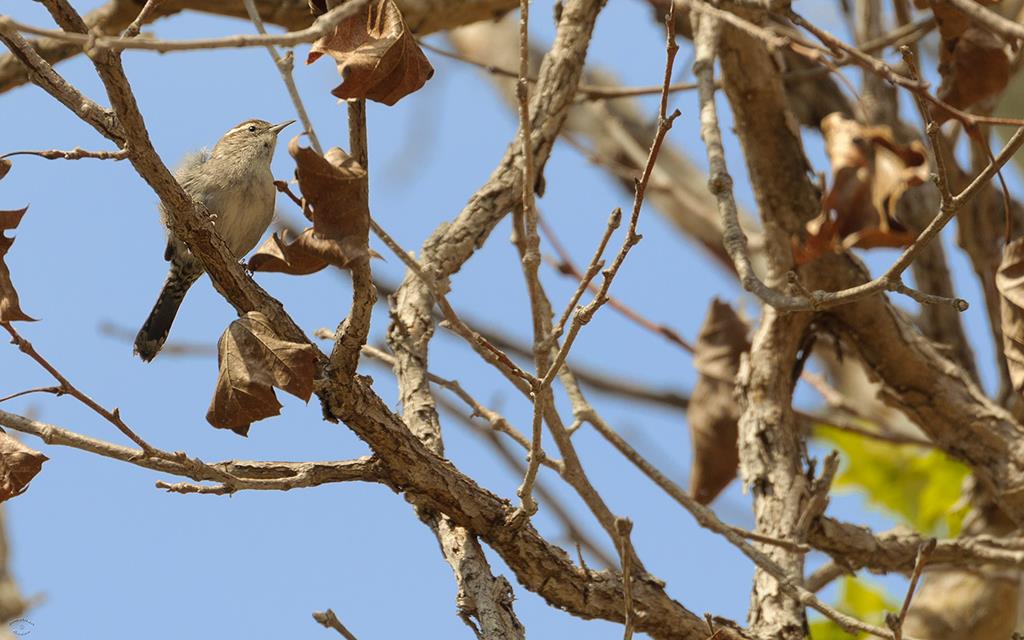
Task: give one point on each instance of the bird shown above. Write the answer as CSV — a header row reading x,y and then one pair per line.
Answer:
x,y
234,182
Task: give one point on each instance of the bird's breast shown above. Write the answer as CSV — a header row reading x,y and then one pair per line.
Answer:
x,y
244,210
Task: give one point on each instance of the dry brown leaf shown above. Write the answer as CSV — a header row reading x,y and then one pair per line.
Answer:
x,y
713,413
1010,282
18,465
973,62
252,360
870,173
377,57
334,186
10,310
5,166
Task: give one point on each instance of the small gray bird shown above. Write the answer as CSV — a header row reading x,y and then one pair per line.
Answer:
x,y
235,184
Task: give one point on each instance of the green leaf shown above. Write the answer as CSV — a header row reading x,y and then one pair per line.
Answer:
x,y
859,599
922,486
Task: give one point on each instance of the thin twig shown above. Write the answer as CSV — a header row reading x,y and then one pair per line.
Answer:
x,y
573,531
706,518
43,75
845,52
320,28
566,266
706,39
285,65
57,391
830,422
480,344
818,500
75,154
896,622
904,35
528,243
136,25
890,280
665,120
235,475
498,422
624,526
113,417
584,92
825,574
796,547
595,266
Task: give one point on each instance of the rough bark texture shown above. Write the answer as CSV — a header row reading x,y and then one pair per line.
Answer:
x,y
937,394
771,447
771,465
770,136
916,208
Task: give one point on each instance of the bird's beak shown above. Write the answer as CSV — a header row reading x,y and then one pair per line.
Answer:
x,y
277,127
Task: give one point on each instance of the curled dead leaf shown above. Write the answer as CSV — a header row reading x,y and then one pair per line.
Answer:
x,y
973,62
377,57
1010,282
252,360
870,173
335,188
18,465
10,310
5,166
713,412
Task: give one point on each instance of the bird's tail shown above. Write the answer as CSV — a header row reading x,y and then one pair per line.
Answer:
x,y
154,331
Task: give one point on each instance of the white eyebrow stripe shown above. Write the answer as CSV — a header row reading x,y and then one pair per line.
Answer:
x,y
242,127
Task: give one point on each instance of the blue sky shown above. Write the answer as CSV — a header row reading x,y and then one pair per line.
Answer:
x,y
111,555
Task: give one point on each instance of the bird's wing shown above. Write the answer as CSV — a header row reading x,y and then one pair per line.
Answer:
x,y
188,175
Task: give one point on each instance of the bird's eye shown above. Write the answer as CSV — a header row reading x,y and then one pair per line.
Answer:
x,y
252,128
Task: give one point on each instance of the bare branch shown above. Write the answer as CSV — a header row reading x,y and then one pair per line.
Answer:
x,y
330,621
113,417
42,74
624,527
353,330
320,28
896,622
284,66
75,154
141,19
232,475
